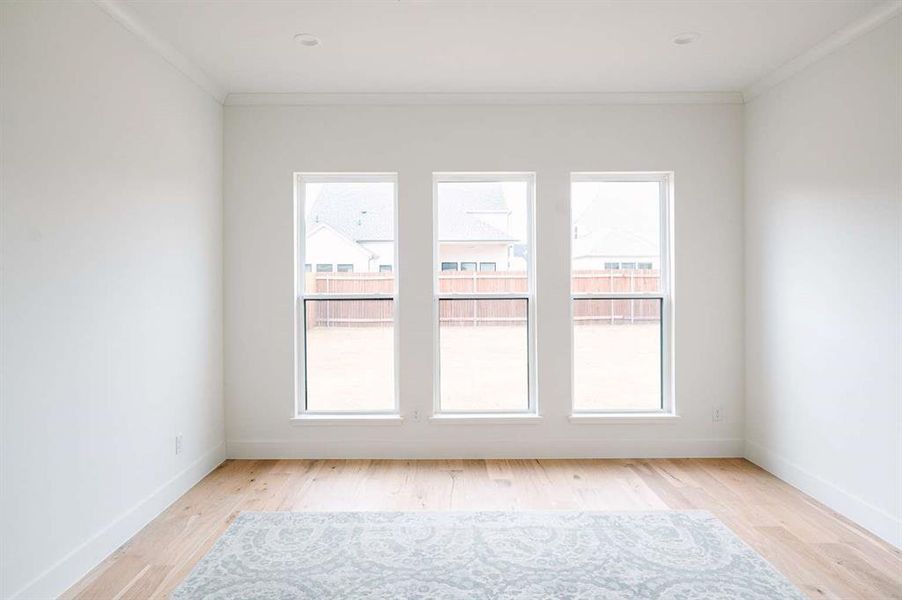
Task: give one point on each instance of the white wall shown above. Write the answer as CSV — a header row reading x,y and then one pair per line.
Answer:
x,y
265,144
823,266
597,262
496,253
325,246
112,289
384,252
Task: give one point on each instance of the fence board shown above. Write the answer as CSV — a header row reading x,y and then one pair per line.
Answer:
x,y
379,313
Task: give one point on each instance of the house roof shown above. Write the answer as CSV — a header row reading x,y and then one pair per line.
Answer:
x,y
459,206
357,211
326,229
635,232
363,212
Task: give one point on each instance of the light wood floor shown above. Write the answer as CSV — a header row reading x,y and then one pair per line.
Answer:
x,y
822,553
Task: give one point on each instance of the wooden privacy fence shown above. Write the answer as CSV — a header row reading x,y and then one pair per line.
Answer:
x,y
621,310
375,313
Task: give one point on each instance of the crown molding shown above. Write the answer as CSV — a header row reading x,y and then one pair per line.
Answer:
x,y
127,19
174,57
828,45
355,99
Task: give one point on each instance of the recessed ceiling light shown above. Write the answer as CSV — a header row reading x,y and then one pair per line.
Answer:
x,y
307,39
687,37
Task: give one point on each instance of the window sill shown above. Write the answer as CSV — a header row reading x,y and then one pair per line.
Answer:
x,y
336,419
623,418
486,419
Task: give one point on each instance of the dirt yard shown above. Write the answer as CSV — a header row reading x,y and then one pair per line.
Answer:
x,y
484,367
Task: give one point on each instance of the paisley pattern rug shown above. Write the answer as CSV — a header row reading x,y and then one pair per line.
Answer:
x,y
686,555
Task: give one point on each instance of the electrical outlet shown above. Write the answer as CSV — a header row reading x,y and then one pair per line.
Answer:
x,y
717,414
415,415
178,443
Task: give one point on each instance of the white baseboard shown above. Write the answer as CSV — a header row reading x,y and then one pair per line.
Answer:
x,y
76,564
876,520
526,448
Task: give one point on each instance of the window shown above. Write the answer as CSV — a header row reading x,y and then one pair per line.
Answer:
x,y
484,312
621,314
308,267
346,334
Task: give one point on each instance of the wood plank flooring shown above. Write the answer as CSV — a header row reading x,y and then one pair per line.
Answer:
x,y
824,554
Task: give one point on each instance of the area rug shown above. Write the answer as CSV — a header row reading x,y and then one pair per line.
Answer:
x,y
686,555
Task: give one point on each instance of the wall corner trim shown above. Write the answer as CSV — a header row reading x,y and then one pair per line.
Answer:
x,y
870,517
72,567
839,38
167,51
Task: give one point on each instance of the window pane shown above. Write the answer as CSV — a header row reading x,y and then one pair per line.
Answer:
x,y
350,355
486,224
483,352
616,225
350,225
617,354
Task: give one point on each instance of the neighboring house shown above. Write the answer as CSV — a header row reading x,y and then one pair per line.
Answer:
x,y
632,244
328,246
474,229
349,228
608,248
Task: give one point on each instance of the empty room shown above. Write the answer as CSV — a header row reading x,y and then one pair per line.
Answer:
x,y
458,299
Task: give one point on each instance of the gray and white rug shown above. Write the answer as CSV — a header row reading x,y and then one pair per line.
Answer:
x,y
686,555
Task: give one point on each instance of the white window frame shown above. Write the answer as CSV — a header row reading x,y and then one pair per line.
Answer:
x,y
664,294
490,177
299,406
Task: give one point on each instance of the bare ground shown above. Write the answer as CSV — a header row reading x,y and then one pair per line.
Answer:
x,y
484,367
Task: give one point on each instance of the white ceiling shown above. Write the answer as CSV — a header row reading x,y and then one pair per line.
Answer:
x,y
442,46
